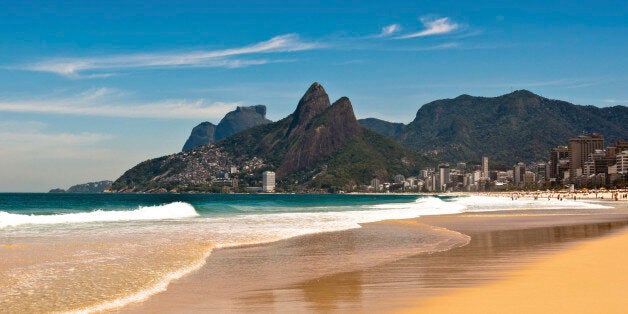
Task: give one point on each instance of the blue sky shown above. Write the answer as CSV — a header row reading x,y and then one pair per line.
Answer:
x,y
87,89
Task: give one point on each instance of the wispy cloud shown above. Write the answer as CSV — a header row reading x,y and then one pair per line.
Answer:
x,y
433,27
443,46
20,138
615,101
107,103
212,58
389,30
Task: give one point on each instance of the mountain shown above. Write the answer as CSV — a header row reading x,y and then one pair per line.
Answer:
x,y
202,134
90,187
235,121
241,119
520,126
390,129
319,147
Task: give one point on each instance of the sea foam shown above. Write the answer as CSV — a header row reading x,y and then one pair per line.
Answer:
x,y
499,203
168,211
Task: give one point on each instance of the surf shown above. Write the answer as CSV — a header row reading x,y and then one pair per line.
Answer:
x,y
175,210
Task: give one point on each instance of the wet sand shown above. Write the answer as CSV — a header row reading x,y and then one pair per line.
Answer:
x,y
381,267
588,278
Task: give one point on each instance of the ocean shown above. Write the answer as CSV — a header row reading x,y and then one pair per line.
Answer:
x,y
91,252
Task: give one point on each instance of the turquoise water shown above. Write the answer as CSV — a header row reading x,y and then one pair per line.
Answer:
x,y
205,204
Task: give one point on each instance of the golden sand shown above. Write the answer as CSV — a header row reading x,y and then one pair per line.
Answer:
x,y
588,278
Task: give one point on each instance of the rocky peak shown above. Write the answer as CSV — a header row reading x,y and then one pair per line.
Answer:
x,y
322,137
201,134
258,109
341,113
235,121
313,102
241,119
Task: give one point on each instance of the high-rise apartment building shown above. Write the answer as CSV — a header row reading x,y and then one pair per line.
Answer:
x,y
559,162
485,173
518,173
443,176
580,149
268,182
375,184
622,162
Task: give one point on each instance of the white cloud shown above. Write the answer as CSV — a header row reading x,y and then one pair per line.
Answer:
x,y
389,30
433,27
73,67
109,103
615,101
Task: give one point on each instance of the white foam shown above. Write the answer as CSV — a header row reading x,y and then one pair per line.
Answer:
x,y
168,211
493,203
143,295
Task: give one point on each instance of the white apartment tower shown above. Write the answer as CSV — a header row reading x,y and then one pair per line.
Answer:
x,y
268,182
485,173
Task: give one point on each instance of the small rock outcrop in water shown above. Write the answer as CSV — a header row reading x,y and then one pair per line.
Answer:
x,y
235,121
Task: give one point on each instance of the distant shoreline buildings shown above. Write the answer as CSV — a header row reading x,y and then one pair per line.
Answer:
x,y
584,162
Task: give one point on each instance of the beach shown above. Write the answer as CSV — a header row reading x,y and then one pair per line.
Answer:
x,y
587,278
283,253
381,268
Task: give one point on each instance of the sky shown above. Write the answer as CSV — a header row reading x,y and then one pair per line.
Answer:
x,y
88,89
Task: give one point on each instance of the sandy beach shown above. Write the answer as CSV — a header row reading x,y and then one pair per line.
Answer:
x,y
587,278
406,265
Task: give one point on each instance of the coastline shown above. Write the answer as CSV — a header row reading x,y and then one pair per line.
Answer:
x,y
586,278
347,270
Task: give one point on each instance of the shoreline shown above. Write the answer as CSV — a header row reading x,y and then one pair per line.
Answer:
x,y
588,277
197,290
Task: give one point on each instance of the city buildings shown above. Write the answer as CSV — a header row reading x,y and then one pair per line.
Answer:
x,y
591,164
559,164
580,149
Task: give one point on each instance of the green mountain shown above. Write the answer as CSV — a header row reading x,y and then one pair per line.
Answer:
x,y
390,129
520,126
320,146
235,121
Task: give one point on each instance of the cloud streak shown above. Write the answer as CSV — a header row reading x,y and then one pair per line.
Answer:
x,y
389,30
225,58
102,102
433,27
615,101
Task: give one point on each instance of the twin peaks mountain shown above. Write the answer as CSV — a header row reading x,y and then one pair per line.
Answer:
x,y
519,126
235,121
321,146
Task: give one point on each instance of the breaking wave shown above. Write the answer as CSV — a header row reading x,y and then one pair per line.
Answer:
x,y
168,211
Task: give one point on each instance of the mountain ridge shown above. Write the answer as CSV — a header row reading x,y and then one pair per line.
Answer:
x,y
519,126
312,149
